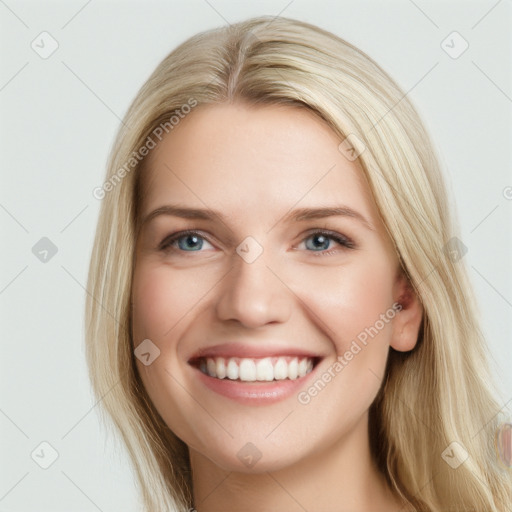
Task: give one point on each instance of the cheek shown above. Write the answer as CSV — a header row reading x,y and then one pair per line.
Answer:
x,y
161,299
349,300
354,309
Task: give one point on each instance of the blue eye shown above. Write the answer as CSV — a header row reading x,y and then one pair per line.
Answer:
x,y
321,241
187,241
192,241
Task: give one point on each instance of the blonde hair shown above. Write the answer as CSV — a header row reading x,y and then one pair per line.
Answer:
x,y
432,396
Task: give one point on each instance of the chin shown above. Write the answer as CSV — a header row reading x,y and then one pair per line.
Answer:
x,y
250,459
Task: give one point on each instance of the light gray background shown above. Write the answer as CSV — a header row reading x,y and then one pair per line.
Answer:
x,y
58,119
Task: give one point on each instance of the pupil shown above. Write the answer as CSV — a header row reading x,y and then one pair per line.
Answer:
x,y
190,238
322,241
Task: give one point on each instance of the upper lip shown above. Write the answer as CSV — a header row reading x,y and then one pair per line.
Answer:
x,y
242,350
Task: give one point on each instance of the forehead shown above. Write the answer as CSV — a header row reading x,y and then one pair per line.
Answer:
x,y
253,161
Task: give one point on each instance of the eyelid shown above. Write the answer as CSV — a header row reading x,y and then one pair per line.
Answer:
x,y
173,237
345,241
341,239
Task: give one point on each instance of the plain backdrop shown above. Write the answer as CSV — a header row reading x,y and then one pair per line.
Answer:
x,y
59,116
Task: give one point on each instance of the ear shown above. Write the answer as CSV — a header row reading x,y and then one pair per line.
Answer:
x,y
407,321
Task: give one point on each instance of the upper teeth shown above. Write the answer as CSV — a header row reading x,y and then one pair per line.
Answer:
x,y
251,370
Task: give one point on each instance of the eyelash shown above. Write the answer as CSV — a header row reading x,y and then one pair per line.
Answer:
x,y
345,242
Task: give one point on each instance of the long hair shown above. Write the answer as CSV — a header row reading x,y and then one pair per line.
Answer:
x,y
436,399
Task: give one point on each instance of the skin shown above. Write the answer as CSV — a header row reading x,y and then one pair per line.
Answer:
x,y
254,165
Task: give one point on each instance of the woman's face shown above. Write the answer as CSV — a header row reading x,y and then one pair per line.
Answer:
x,y
274,318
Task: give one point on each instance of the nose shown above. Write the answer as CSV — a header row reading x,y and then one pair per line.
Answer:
x,y
253,295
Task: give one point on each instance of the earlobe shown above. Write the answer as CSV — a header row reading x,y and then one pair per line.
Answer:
x,y
407,322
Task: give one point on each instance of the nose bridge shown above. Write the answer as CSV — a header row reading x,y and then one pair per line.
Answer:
x,y
252,294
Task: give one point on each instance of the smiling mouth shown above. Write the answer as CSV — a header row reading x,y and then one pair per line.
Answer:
x,y
266,369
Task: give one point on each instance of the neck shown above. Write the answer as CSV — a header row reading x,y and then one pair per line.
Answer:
x,y
342,477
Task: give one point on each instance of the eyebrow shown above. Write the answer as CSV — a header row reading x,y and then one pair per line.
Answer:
x,y
297,215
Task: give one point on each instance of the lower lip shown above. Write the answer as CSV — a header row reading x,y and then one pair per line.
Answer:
x,y
254,393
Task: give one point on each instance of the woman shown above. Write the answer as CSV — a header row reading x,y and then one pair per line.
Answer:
x,y
278,315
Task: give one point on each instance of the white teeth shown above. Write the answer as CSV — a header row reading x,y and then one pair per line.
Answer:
x,y
211,367
252,370
280,369
293,369
264,369
303,367
247,370
220,368
232,370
